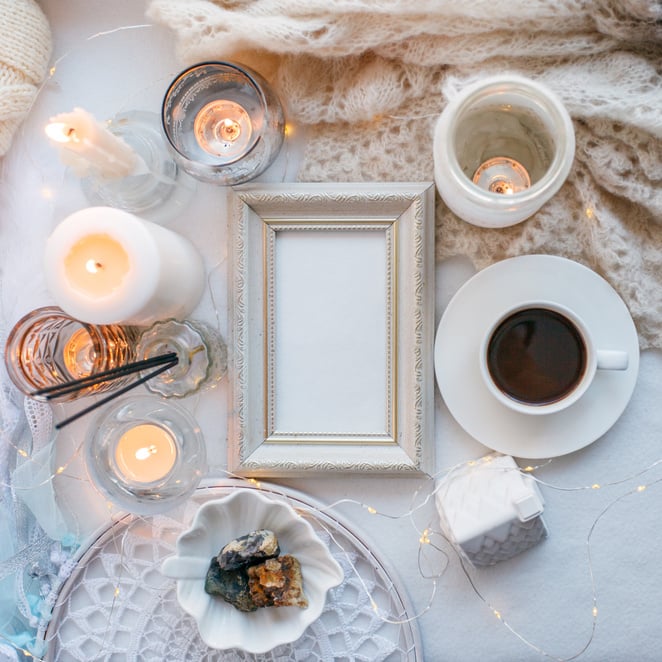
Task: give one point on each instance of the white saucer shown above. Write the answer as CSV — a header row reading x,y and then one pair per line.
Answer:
x,y
479,302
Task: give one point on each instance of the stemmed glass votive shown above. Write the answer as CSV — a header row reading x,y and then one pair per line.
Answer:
x,y
201,353
224,122
145,454
47,348
502,148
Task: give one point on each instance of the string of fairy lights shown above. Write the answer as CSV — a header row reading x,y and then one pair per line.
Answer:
x,y
430,537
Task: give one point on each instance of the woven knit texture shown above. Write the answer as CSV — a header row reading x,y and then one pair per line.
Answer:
x,y
25,47
367,81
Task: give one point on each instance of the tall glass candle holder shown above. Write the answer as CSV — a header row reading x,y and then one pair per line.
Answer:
x,y
145,454
47,347
502,148
224,123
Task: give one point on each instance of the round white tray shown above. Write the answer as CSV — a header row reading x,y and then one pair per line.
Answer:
x,y
117,605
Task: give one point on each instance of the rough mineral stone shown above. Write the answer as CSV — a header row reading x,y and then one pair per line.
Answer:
x,y
277,583
250,549
231,585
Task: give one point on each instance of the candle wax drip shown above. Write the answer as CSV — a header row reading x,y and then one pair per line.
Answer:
x,y
223,128
502,175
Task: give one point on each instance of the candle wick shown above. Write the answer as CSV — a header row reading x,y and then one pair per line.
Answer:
x,y
92,266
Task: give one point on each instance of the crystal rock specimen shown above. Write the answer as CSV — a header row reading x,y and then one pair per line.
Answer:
x,y
277,583
247,574
250,549
231,585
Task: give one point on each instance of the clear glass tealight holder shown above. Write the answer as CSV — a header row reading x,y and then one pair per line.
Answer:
x,y
201,353
48,348
156,188
145,454
224,122
502,148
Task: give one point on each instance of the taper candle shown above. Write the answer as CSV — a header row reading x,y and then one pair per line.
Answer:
x,y
90,148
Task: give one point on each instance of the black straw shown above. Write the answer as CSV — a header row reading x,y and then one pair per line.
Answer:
x,y
113,373
114,395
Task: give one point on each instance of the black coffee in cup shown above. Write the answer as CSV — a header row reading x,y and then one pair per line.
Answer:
x,y
536,356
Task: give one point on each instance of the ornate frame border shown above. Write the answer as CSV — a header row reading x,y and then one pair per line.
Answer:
x,y
404,213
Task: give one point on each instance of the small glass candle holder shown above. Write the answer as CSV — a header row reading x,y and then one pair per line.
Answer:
x,y
502,148
201,352
156,177
47,347
145,454
224,123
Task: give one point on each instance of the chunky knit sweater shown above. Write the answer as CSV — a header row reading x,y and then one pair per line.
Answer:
x,y
25,46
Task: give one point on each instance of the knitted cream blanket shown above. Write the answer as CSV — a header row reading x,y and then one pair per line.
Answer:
x,y
369,78
25,46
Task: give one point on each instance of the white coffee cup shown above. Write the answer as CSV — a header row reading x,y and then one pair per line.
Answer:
x,y
539,357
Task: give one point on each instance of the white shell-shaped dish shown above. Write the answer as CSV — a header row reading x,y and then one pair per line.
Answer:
x,y
216,523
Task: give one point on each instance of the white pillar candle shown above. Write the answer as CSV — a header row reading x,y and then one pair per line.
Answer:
x,y
106,266
90,148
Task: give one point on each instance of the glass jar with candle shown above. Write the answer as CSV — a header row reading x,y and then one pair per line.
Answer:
x,y
502,148
145,454
47,348
224,123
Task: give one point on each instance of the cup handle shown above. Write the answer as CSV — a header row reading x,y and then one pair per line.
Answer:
x,y
611,359
178,568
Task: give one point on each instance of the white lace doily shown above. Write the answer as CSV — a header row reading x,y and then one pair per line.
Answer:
x,y
116,602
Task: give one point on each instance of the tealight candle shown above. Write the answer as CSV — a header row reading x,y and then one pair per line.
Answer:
x,y
224,123
107,266
223,128
145,453
86,145
47,348
502,148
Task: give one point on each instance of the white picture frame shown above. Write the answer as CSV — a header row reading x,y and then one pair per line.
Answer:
x,y
331,329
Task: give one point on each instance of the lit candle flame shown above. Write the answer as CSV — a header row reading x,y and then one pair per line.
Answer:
x,y
61,132
92,266
146,452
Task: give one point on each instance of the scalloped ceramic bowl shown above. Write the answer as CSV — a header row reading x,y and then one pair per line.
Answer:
x,y
216,523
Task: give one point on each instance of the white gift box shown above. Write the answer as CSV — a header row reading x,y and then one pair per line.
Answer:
x,y
490,510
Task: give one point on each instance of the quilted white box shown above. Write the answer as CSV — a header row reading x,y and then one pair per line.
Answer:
x,y
490,510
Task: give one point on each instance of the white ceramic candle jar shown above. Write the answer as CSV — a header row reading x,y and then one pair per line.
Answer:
x,y
107,266
502,148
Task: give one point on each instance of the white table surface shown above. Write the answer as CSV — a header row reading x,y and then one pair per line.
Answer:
x,y
545,594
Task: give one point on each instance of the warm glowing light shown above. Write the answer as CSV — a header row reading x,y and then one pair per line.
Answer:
x,y
641,488
145,453
371,510
589,212
92,266
595,486
61,132
497,613
595,612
